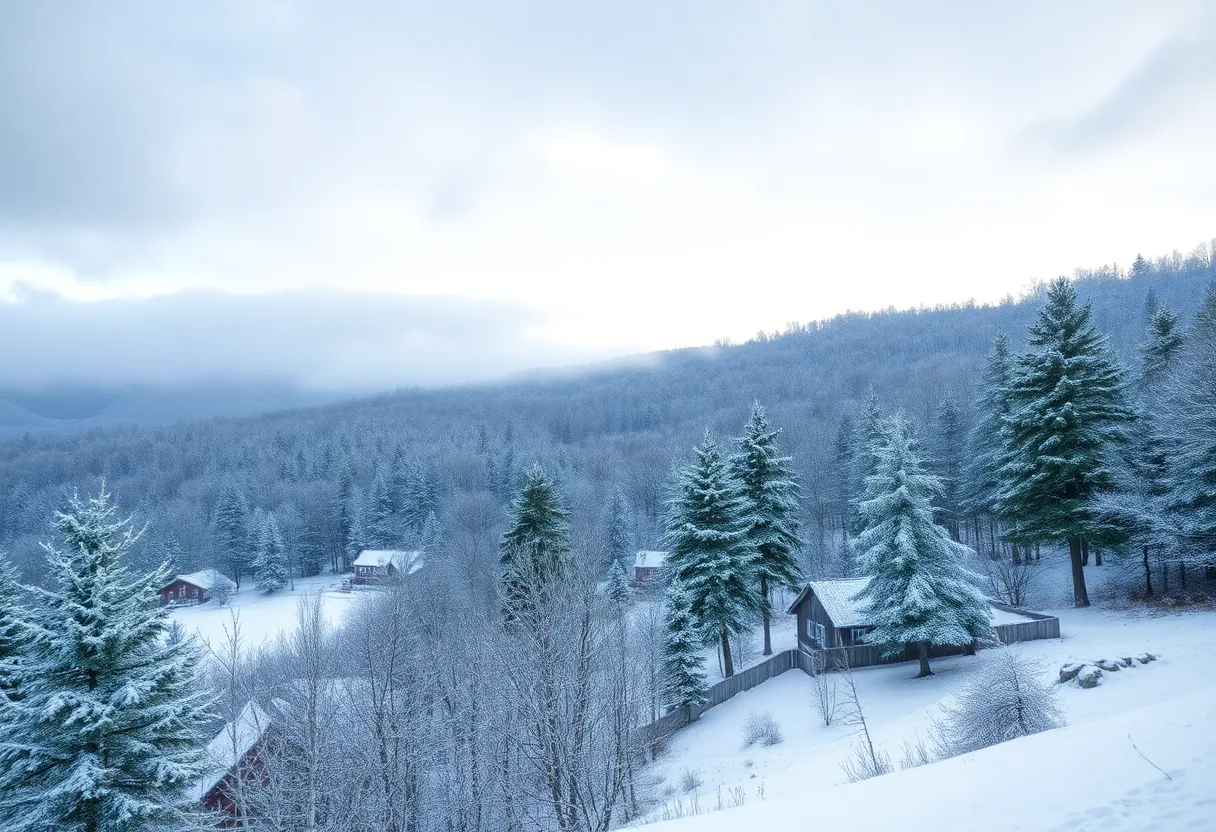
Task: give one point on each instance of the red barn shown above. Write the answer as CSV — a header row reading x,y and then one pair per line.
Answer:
x,y
232,760
195,588
647,567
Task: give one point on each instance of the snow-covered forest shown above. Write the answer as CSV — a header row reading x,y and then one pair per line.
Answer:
x,y
949,456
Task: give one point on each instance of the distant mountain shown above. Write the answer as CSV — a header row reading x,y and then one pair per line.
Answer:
x,y
72,410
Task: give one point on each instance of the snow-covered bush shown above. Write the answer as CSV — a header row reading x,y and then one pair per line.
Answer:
x,y
825,693
761,728
866,762
690,780
1008,698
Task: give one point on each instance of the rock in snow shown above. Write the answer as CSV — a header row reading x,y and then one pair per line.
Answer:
x,y
1145,658
1089,677
1069,671
1109,665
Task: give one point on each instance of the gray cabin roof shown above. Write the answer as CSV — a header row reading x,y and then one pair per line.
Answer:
x,y
839,600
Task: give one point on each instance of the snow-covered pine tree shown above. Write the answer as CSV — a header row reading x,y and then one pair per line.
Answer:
x,y
772,491
982,475
1067,421
920,590
707,547
949,437
1159,353
270,567
620,540
535,548
1189,428
431,539
868,434
112,721
11,631
843,451
356,533
618,584
683,675
345,506
232,532
379,523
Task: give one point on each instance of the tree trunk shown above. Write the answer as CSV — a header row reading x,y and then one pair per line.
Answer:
x,y
1148,575
1079,594
1182,574
923,650
768,614
1084,552
728,666
1097,556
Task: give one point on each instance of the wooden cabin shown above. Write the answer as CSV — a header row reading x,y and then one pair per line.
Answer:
x,y
831,618
233,758
378,566
194,588
647,567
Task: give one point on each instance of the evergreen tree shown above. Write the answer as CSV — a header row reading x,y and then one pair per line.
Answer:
x,y
947,464
683,676
868,435
232,532
270,567
621,543
1066,421
983,470
110,729
618,584
379,524
1159,353
1189,429
431,539
357,538
345,505
708,550
843,454
919,590
11,631
535,548
772,491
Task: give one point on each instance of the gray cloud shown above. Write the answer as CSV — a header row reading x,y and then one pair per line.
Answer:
x,y
317,339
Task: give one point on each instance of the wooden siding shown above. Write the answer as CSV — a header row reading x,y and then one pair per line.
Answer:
x,y
811,609
1042,626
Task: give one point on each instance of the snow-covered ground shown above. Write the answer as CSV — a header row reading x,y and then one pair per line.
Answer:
x,y
263,617
1086,775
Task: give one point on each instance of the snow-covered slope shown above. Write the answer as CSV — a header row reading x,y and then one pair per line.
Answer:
x,y
262,617
1086,775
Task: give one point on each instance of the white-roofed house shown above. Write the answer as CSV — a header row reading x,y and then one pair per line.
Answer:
x,y
194,587
646,567
377,566
231,759
830,616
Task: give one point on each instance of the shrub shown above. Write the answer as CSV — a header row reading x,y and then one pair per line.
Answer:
x,y
1008,698
866,762
761,728
690,780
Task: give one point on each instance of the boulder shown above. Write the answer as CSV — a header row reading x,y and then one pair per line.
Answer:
x,y
1109,665
1145,658
1069,671
1127,661
1089,677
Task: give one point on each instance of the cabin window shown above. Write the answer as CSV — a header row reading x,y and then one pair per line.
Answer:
x,y
859,635
816,632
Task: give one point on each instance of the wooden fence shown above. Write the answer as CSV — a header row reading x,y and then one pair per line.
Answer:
x,y
1041,626
658,731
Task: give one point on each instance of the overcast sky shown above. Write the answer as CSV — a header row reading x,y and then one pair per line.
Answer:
x,y
365,194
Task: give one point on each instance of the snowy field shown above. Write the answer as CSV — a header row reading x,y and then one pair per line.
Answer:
x,y
1084,776
263,617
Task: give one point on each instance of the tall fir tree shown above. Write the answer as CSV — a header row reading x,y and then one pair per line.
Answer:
x,y
380,524
535,549
232,532
113,718
920,590
1189,428
949,441
270,567
683,679
708,550
620,538
982,473
431,539
12,631
1159,353
345,506
843,454
1066,423
868,435
772,491
618,584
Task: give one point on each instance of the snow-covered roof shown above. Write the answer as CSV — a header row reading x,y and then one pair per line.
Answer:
x,y
230,746
839,599
205,579
407,562
649,560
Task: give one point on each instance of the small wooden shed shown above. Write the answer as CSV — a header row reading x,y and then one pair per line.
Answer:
x,y
194,588
378,566
647,566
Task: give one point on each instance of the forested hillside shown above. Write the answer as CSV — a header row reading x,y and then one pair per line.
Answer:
x,y
371,472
